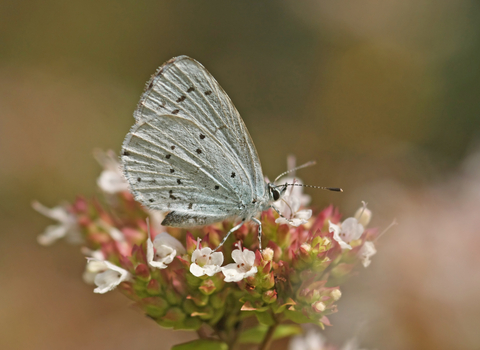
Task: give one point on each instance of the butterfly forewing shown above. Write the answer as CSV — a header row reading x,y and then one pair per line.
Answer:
x,y
189,150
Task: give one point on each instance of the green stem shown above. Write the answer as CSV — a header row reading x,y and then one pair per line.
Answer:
x,y
268,337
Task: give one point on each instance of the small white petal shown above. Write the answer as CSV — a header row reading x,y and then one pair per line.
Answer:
x,y
296,222
242,268
351,229
165,239
66,227
366,252
249,257
196,270
116,234
237,256
335,229
304,214
204,262
217,258
211,270
112,181
250,272
231,273
52,233
111,278
281,221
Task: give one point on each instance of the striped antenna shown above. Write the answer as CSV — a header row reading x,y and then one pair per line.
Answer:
x,y
334,189
296,168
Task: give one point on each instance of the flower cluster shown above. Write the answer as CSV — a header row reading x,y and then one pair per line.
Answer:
x,y
178,280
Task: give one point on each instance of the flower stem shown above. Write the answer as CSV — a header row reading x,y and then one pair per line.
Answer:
x,y
268,337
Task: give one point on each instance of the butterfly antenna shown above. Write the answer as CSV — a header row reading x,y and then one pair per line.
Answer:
x,y
296,168
334,189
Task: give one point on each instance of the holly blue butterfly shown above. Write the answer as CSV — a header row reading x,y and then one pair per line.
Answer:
x,y
190,153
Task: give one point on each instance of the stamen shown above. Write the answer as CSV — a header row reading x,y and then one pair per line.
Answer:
x,y
363,209
394,222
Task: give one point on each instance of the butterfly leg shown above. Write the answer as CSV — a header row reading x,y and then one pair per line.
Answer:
x,y
278,211
259,233
228,234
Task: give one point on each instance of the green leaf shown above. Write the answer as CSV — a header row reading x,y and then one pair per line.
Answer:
x,y
265,318
256,334
201,344
297,316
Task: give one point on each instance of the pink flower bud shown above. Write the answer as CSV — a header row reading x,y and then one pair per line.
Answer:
x,y
269,296
142,271
153,287
207,287
191,243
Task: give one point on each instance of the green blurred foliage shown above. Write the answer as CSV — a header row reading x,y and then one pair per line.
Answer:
x,y
370,90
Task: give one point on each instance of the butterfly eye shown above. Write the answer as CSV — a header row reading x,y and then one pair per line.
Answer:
x,y
275,194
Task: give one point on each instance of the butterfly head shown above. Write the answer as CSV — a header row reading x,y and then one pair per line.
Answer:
x,y
276,191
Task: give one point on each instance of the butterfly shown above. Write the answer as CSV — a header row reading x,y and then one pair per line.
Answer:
x,y
189,152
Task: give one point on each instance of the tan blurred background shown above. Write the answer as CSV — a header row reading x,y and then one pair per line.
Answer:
x,y
383,94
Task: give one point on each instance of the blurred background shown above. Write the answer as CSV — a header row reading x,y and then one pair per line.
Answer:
x,y
384,95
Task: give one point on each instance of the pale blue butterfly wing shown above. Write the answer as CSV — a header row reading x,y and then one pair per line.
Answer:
x,y
189,152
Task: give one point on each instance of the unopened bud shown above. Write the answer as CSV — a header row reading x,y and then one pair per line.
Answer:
x,y
153,287
363,215
269,296
305,248
318,306
267,254
336,294
142,271
207,287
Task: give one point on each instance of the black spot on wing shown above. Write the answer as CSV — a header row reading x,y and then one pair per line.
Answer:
x,y
168,156
172,147
175,111
202,136
217,187
172,171
208,92
179,182
190,89
139,179
181,98
126,153
198,150
233,175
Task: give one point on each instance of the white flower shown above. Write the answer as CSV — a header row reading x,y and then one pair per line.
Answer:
x,y
116,234
67,225
351,344
366,252
111,276
348,231
297,217
111,180
205,262
312,339
294,193
94,266
163,250
242,268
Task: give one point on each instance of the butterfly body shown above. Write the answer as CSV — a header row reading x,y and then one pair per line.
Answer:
x,y
190,153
